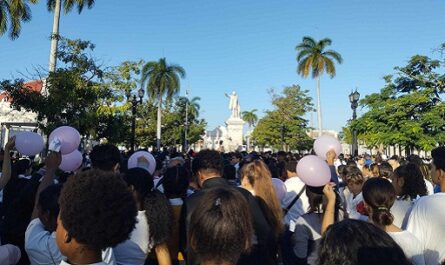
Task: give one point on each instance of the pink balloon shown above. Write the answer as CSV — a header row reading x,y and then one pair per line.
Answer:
x,y
133,161
313,171
29,143
71,161
280,188
325,143
69,138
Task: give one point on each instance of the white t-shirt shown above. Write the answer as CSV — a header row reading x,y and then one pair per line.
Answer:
x,y
429,187
293,187
351,205
410,245
9,254
41,245
42,248
307,236
400,210
97,263
426,222
135,250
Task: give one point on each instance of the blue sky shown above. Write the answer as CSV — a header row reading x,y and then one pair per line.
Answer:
x,y
246,46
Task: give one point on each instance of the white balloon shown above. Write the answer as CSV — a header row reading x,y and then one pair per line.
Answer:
x,y
29,143
325,143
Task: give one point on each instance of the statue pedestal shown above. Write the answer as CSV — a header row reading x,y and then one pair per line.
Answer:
x,y
234,134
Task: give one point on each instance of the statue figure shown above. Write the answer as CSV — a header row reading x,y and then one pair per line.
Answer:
x,y
233,104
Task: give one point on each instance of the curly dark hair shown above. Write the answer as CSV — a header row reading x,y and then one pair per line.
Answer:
x,y
97,209
105,157
208,160
157,208
221,227
379,194
413,183
353,242
49,199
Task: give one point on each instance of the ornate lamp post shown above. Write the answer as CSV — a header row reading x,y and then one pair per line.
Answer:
x,y
133,99
354,98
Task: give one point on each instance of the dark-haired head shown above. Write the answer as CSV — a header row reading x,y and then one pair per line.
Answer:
x,y
385,170
438,166
408,182
175,182
208,163
22,167
48,206
353,242
221,228
379,196
229,172
354,179
97,211
105,157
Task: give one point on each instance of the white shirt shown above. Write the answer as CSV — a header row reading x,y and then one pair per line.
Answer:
x,y
9,254
410,245
400,210
97,263
307,236
293,187
42,248
429,187
135,250
41,245
426,222
351,205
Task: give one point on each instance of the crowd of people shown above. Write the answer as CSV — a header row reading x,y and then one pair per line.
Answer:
x,y
221,208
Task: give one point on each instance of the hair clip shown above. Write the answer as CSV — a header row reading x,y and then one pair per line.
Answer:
x,y
218,202
382,208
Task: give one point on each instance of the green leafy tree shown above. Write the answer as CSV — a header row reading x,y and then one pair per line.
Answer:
x,y
12,14
408,110
161,79
289,109
250,117
313,58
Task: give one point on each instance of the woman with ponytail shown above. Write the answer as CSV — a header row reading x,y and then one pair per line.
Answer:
x,y
379,196
153,229
256,178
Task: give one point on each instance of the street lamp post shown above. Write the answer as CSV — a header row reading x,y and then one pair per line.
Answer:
x,y
354,98
186,144
133,99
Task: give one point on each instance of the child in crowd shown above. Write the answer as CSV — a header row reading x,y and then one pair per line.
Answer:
x,y
353,194
97,211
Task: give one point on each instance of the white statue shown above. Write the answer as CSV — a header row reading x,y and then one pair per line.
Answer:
x,y
233,104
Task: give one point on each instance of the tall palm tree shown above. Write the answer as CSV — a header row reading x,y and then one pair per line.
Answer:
x,y
12,14
250,117
313,58
194,106
55,6
161,79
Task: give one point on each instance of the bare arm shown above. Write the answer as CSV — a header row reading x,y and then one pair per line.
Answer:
x,y
329,212
162,254
6,167
52,164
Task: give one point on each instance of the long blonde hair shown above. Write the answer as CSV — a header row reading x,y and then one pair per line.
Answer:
x,y
259,176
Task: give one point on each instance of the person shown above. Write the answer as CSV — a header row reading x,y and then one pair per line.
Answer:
x,y
175,183
229,173
355,242
409,186
307,231
102,217
106,157
424,169
207,167
154,221
256,178
427,216
353,195
379,196
221,228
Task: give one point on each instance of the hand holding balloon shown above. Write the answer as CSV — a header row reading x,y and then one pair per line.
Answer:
x,y
325,143
313,171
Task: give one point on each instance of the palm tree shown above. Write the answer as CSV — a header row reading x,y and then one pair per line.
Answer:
x,y
250,117
12,14
312,57
194,106
161,79
55,5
